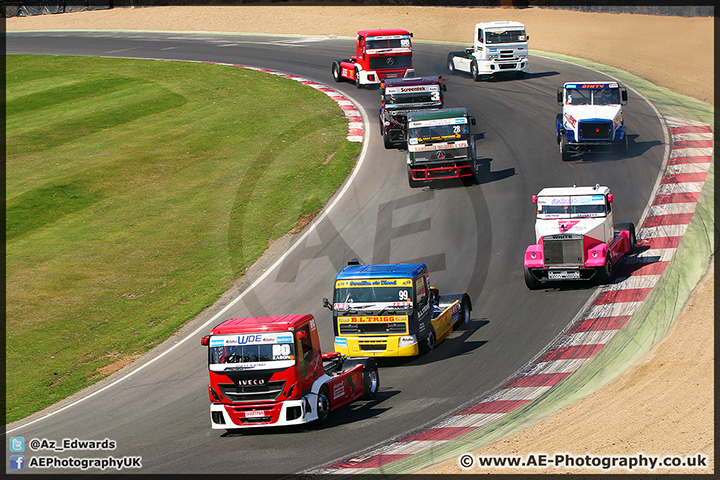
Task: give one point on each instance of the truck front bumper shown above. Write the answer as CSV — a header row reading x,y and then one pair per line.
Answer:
x,y
439,172
498,66
289,412
561,274
377,346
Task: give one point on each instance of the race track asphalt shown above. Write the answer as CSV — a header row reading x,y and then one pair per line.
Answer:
x,y
472,238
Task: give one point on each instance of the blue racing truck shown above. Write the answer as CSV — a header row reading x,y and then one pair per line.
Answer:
x,y
391,310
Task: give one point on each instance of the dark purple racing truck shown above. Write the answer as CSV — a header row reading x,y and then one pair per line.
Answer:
x,y
398,96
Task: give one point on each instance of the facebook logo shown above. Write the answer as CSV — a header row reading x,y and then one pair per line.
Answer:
x,y
17,462
17,444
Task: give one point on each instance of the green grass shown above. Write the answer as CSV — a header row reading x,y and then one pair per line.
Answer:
x,y
136,192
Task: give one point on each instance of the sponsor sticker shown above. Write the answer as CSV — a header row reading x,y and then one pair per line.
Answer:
x,y
390,282
373,319
437,121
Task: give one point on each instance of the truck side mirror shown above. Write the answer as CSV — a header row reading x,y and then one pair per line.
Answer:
x,y
434,295
205,340
326,304
444,88
472,120
610,197
560,95
623,95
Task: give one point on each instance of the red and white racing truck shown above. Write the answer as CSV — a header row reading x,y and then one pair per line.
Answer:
x,y
575,236
269,371
379,54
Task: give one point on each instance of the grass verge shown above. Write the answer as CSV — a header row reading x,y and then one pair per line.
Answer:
x,y
136,192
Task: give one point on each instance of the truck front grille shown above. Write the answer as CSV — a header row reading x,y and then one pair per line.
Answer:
x,y
563,250
372,328
446,155
252,393
375,347
595,130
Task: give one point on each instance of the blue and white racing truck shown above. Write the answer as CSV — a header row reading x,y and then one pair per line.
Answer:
x,y
591,118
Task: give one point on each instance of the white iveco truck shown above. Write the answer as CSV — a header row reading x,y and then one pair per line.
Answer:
x,y
499,47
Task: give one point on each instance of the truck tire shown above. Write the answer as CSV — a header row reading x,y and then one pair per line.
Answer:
x,y
618,227
428,345
336,72
388,144
603,274
622,149
474,71
451,65
371,380
357,78
413,183
323,404
564,152
530,281
464,314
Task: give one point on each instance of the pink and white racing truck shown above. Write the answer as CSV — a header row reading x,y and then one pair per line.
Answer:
x,y
575,236
379,54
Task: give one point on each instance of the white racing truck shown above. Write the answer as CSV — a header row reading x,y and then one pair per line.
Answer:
x,y
499,47
575,238
591,118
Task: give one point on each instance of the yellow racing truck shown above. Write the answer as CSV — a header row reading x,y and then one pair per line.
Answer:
x,y
391,310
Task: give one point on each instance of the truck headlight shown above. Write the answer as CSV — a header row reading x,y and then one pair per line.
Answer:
x,y
407,341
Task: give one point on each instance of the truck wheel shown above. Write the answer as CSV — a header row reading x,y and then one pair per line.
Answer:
x,y
451,65
336,72
323,404
413,183
428,345
371,380
564,152
603,274
630,227
357,78
474,71
624,145
530,280
387,142
464,315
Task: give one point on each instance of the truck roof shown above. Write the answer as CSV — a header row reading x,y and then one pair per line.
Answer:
x,y
438,113
276,323
381,32
499,24
392,270
427,80
569,191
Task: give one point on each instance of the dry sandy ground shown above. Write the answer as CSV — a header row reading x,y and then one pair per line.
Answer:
x,y
664,404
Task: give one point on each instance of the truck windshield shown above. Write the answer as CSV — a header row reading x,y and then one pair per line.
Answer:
x,y
504,36
404,99
388,43
373,293
252,351
438,133
605,96
572,207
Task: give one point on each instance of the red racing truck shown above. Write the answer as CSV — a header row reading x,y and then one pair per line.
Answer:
x,y
269,371
379,54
